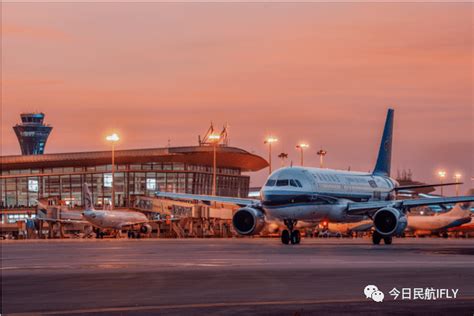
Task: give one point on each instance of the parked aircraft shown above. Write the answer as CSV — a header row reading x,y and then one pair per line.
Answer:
x,y
134,222
349,228
439,224
465,229
295,194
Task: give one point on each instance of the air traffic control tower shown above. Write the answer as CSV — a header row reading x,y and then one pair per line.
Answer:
x,y
32,133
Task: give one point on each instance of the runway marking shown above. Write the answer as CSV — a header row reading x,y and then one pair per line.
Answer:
x,y
207,305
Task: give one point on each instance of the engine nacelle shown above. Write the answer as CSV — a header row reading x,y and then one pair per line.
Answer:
x,y
248,221
145,229
389,221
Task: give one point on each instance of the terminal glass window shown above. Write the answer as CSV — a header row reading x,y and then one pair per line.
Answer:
x,y
33,185
107,180
151,184
178,166
161,181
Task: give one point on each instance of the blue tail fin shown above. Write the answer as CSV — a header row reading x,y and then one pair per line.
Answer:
x,y
382,168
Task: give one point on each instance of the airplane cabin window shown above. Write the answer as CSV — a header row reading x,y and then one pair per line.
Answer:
x,y
282,183
270,183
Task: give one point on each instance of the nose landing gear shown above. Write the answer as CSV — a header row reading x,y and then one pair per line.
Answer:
x,y
290,235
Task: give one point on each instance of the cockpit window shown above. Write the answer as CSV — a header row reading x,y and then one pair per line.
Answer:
x,y
270,183
298,183
293,183
282,183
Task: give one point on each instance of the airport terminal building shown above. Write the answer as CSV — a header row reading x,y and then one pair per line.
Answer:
x,y
138,172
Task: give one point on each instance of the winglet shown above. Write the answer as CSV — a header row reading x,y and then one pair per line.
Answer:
x,y
382,168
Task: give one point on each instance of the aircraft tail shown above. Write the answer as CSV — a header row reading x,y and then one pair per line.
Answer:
x,y
87,198
461,209
384,158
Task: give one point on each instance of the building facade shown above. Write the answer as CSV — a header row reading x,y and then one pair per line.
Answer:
x,y
138,172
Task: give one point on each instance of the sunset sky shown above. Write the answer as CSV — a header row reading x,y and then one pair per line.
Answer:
x,y
315,72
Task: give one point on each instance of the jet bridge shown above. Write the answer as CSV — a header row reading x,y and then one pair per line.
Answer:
x,y
187,219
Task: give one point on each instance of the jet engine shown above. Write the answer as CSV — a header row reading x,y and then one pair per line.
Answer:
x,y
389,221
145,229
248,221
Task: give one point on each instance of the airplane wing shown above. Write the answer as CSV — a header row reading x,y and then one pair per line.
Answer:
x,y
208,198
62,221
366,208
162,220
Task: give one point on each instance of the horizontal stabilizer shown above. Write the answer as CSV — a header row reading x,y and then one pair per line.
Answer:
x,y
420,186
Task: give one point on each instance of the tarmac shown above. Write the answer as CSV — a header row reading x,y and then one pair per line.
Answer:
x,y
238,276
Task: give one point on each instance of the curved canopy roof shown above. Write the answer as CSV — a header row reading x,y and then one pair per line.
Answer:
x,y
227,157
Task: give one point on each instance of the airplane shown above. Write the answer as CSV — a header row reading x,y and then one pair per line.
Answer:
x,y
350,228
135,222
293,194
426,225
465,230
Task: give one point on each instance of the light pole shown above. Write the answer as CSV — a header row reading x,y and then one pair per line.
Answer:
x,y
113,139
457,178
301,147
321,153
442,175
283,156
214,138
269,141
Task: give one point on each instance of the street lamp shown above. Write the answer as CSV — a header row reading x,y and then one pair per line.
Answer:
x,y
301,147
214,139
283,156
113,139
321,153
442,175
457,178
269,141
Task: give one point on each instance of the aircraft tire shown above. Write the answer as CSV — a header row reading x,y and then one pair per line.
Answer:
x,y
376,238
295,237
285,237
388,240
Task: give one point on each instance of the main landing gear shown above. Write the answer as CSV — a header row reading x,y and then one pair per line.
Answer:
x,y
289,235
376,238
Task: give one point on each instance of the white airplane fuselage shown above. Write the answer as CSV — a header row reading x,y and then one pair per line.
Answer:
x,y
114,219
315,194
460,214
